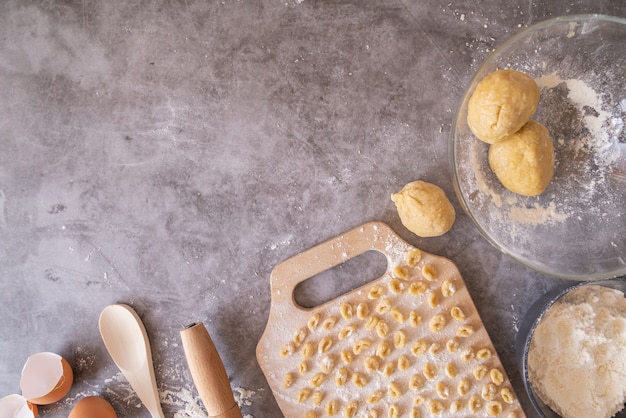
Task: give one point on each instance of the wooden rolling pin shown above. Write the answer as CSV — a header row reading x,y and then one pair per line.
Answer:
x,y
208,372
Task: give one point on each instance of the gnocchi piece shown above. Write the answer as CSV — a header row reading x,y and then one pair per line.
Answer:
x,y
453,345
341,377
376,292
287,349
371,413
451,370
435,407
358,379
435,348
467,355
299,336
393,412
332,407
374,398
383,306
497,377
480,372
397,315
474,404
415,413
507,395
326,363
346,356
401,272
447,288
457,314
465,331
414,319
329,323
418,288
307,350
350,410
399,339
388,369
396,286
361,345
382,328
419,400
489,392
416,383
372,364
494,408
483,354
403,363
303,368
429,272
345,309
463,387
310,414
437,323
456,406
288,380
317,398
383,349
419,347
324,345
346,332
362,310
433,300
314,321
442,390
303,395
413,257
371,323
394,390
317,380
429,371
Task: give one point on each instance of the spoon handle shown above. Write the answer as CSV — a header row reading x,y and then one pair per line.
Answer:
x,y
208,373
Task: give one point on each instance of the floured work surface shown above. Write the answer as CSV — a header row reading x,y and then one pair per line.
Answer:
x,y
409,343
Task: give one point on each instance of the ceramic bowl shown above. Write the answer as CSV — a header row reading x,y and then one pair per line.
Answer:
x,y
528,326
576,229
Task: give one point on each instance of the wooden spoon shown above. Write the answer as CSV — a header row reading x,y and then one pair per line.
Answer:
x,y
126,340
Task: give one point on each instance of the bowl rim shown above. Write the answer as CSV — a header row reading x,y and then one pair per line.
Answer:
x,y
453,132
529,324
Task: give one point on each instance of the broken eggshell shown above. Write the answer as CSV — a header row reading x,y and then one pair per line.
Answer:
x,y
16,406
46,378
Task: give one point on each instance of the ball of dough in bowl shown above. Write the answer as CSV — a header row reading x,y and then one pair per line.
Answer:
x,y
501,104
424,209
524,162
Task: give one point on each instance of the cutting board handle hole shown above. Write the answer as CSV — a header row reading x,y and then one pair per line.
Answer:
x,y
341,279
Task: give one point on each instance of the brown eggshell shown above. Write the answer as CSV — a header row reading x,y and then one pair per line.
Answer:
x,y
46,378
92,407
18,407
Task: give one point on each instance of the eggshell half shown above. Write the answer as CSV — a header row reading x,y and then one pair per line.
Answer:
x,y
16,406
46,378
92,407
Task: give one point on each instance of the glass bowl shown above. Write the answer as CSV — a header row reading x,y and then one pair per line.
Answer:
x,y
576,229
528,325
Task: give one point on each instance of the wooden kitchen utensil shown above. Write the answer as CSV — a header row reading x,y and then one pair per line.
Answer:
x,y
126,340
409,343
208,372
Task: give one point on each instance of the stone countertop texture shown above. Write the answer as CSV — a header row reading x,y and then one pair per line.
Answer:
x,y
168,155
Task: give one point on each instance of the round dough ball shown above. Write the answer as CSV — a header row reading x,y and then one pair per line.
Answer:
x,y
424,209
501,104
524,162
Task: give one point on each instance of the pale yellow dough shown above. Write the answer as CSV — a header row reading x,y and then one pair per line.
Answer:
x,y
524,162
424,209
501,104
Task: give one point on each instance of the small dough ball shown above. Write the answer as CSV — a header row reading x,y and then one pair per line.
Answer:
x,y
501,104
524,162
424,209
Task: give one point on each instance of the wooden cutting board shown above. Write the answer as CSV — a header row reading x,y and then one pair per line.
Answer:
x,y
408,344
